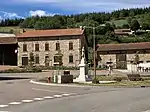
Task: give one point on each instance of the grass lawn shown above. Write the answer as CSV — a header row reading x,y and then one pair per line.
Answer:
x,y
123,21
15,29
119,22
127,84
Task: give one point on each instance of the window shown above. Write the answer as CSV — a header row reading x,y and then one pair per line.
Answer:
x,y
24,47
148,61
46,60
70,45
46,47
71,59
140,61
57,46
57,58
36,47
108,62
37,59
24,61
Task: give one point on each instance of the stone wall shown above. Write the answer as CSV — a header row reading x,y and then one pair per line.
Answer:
x,y
64,48
145,58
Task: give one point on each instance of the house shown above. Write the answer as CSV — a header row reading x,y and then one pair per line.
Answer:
x,y
121,56
123,32
51,47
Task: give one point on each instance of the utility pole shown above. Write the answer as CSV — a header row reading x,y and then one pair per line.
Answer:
x,y
94,53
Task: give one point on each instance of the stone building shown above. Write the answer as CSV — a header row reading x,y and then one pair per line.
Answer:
x,y
51,47
121,56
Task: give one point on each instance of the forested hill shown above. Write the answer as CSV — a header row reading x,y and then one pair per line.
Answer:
x,y
63,21
138,18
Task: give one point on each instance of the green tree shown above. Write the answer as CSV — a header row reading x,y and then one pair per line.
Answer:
x,y
135,25
31,59
145,26
126,26
129,20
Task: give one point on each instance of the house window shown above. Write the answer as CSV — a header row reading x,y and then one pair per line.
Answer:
x,y
46,60
108,62
57,46
148,61
36,47
37,59
24,61
57,59
70,45
140,61
71,59
24,47
46,47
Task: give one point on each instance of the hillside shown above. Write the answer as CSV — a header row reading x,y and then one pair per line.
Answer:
x,y
12,29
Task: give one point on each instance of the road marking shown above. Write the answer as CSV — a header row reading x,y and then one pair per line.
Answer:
x,y
5,111
2,106
39,99
27,101
57,96
15,103
48,97
47,90
66,94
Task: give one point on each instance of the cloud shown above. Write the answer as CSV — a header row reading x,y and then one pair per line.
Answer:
x,y
42,1
78,6
40,13
9,15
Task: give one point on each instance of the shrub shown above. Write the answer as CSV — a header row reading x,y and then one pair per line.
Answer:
x,y
24,70
118,79
95,81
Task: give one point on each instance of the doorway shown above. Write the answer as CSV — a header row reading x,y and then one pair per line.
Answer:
x,y
121,61
24,61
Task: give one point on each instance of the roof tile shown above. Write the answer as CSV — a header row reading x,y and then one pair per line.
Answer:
x,y
124,46
8,40
51,33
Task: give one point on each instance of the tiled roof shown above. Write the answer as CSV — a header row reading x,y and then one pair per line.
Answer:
x,y
52,33
8,40
125,46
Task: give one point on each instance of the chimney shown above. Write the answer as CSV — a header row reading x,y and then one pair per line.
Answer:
x,y
81,28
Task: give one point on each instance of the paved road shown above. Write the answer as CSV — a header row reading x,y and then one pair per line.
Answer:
x,y
119,100
22,96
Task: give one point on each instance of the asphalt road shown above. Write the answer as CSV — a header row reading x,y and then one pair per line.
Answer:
x,y
127,100
22,96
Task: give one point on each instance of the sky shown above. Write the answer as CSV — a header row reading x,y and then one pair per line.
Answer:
x,y
27,8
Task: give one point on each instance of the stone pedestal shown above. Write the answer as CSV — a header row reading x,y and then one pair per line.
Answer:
x,y
59,79
83,77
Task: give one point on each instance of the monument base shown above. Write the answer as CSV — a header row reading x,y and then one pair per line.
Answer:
x,y
84,79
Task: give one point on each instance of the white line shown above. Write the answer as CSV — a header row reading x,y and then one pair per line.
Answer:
x,y
47,90
48,97
66,94
27,101
39,99
2,106
57,96
4,111
15,103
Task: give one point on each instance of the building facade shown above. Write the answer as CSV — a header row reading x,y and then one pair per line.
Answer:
x,y
121,56
51,47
